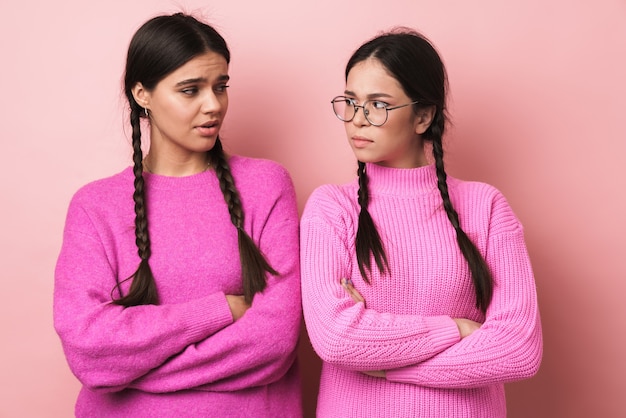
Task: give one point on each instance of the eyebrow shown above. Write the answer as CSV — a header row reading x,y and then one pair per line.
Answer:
x,y
221,78
369,96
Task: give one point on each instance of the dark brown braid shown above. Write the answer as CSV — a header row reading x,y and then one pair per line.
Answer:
x,y
253,264
368,240
160,46
483,282
143,287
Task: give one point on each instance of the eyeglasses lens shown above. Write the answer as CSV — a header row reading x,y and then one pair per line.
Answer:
x,y
343,109
346,110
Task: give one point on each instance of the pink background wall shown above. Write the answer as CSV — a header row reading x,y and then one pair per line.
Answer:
x,y
539,104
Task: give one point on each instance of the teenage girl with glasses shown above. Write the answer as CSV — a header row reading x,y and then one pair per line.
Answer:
x,y
418,292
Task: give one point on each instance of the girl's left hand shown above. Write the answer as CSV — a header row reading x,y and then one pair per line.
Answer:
x,y
375,373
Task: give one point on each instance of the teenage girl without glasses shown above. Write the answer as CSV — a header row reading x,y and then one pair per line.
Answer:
x,y
418,292
185,302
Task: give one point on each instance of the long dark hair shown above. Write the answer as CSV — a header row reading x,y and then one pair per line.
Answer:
x,y
412,60
160,46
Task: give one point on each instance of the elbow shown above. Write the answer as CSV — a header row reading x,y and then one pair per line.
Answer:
x,y
330,350
282,347
93,373
331,344
534,352
280,355
526,367
527,360
105,389
328,354
336,340
98,382
533,363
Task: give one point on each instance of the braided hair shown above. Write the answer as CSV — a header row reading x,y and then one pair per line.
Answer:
x,y
253,264
367,242
410,58
160,46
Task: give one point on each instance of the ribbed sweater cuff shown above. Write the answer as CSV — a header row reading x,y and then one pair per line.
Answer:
x,y
444,331
402,375
208,315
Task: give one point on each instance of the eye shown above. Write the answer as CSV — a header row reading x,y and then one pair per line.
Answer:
x,y
349,101
221,88
189,91
379,105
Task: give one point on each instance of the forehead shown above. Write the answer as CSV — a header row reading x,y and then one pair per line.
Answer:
x,y
370,77
208,66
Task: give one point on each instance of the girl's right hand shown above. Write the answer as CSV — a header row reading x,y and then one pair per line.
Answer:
x,y
354,294
237,305
466,326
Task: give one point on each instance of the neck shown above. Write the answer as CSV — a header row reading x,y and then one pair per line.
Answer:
x,y
401,181
175,168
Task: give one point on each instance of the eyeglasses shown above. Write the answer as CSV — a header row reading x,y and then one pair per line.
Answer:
x,y
375,111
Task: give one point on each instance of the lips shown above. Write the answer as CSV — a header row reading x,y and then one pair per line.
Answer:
x,y
209,124
361,142
210,128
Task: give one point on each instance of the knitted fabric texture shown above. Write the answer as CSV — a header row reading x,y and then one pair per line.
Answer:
x,y
184,357
406,326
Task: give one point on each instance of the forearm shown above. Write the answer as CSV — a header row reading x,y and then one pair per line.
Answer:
x,y
348,334
509,344
362,339
107,346
479,360
256,350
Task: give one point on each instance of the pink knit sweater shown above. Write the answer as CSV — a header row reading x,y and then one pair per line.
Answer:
x,y
185,357
407,327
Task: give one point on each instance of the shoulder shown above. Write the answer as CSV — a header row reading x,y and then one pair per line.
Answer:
x,y
101,201
332,201
264,182
473,191
106,189
258,172
482,200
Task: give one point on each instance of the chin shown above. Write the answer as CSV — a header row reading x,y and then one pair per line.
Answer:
x,y
365,157
208,145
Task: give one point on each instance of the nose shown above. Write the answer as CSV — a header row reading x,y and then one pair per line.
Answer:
x,y
210,103
359,119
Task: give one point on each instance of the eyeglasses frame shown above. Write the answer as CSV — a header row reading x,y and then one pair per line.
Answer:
x,y
356,109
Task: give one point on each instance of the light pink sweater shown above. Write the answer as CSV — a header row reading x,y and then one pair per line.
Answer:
x,y
407,327
184,357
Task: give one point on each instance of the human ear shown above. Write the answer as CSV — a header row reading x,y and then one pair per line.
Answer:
x,y
424,118
141,95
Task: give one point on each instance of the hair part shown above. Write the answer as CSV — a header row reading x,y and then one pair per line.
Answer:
x,y
411,59
159,47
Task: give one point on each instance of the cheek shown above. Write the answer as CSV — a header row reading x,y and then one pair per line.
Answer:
x,y
180,112
401,129
224,103
169,108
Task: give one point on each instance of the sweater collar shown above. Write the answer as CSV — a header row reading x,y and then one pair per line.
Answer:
x,y
194,181
401,181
